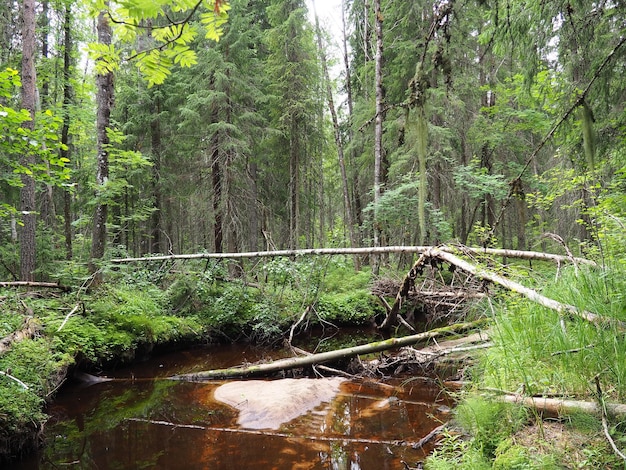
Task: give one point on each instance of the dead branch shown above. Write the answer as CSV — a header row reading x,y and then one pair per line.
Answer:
x,y
430,436
14,378
67,317
319,358
295,325
403,292
605,421
49,285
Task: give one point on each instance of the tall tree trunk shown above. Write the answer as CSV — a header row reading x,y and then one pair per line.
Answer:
x,y
156,245
294,186
216,182
65,129
48,209
378,129
104,102
355,200
338,140
29,102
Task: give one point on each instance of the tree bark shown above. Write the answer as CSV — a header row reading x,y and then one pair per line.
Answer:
x,y
104,101
29,102
558,407
304,361
338,140
52,285
156,245
378,129
64,152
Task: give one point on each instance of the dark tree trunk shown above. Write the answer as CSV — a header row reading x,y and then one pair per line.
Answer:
x,y
29,102
104,101
216,182
156,245
65,129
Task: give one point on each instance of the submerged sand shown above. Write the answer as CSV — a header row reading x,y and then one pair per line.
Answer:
x,y
267,404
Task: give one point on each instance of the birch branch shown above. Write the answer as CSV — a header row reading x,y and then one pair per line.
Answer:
x,y
67,317
50,285
14,378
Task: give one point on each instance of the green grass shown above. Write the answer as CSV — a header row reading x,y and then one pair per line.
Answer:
x,y
538,351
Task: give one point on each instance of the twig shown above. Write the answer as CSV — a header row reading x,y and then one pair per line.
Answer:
x,y
560,241
265,432
14,378
67,317
605,423
429,437
300,320
574,350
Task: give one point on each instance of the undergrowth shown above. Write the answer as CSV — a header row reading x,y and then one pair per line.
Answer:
x,y
540,352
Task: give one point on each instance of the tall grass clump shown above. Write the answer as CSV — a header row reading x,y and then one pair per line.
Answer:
x,y
540,351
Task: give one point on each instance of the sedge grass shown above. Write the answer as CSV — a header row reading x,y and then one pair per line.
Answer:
x,y
539,351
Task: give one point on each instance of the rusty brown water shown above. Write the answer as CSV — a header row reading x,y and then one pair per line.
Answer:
x,y
143,420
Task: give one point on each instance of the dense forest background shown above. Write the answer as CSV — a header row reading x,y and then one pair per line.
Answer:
x,y
130,128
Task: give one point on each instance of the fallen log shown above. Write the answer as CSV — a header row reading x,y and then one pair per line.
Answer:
x,y
444,255
529,255
319,358
519,288
29,329
558,407
48,285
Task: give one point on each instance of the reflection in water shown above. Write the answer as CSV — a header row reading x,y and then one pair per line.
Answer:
x,y
135,422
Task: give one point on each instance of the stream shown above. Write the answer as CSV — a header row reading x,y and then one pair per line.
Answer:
x,y
141,419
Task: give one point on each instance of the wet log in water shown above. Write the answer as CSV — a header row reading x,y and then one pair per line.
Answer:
x,y
305,361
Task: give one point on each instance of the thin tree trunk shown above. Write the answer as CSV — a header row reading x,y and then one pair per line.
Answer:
x,y
29,102
338,140
156,245
378,129
64,152
355,200
48,209
294,185
104,100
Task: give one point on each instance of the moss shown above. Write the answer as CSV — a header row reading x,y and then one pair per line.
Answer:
x,y
353,308
511,457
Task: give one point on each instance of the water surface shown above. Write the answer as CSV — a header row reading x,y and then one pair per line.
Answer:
x,y
143,420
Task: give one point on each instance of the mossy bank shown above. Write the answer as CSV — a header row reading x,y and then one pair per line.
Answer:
x,y
134,316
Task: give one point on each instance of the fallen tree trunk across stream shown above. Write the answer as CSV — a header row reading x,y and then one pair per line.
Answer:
x,y
529,255
319,358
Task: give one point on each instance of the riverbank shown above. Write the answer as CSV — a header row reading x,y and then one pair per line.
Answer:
x,y
48,335
536,351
